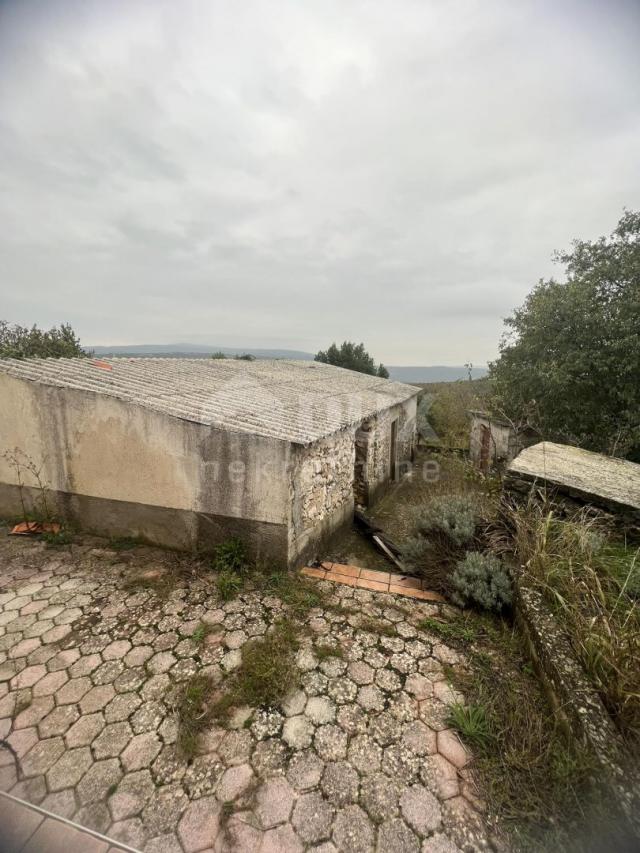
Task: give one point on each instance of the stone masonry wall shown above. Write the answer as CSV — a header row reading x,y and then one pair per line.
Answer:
x,y
325,477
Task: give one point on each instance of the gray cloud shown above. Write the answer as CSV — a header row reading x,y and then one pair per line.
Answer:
x,y
278,173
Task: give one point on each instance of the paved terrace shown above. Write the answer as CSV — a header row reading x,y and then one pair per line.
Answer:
x,y
358,758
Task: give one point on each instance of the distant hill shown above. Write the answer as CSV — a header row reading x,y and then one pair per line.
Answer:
x,y
195,351
434,373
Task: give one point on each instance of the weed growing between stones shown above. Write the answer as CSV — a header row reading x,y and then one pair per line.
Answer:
x,y
448,631
377,626
267,671
229,584
194,712
472,723
324,651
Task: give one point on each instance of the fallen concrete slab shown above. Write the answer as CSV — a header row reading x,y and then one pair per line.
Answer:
x,y
585,477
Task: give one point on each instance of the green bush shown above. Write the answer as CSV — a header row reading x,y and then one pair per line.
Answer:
x,y
414,551
231,556
483,580
451,516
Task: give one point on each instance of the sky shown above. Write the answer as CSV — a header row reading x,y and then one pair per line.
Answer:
x,y
286,174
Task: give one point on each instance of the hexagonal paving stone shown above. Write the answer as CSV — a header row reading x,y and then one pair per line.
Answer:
x,y
69,769
364,754
298,732
312,817
283,839
42,756
234,782
121,707
112,740
58,721
379,796
340,783
320,710
99,778
274,802
353,831
395,835
85,730
52,682
421,810
330,743
116,650
199,825
73,691
141,751
97,698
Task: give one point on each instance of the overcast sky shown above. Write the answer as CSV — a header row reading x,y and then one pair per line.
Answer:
x,y
290,173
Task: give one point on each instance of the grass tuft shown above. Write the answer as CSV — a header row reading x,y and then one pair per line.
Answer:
x,y
323,651
377,626
472,722
194,711
449,631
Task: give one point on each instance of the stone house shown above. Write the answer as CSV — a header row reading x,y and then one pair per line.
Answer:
x,y
494,442
188,452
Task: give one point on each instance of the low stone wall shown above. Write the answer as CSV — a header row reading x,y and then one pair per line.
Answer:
x,y
576,701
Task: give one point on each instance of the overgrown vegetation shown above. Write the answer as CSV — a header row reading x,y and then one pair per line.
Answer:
x,y
267,672
536,779
446,406
591,578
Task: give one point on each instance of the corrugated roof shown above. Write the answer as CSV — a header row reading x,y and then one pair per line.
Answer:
x,y
297,401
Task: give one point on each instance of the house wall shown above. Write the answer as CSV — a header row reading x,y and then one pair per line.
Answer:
x,y
322,477
120,469
379,450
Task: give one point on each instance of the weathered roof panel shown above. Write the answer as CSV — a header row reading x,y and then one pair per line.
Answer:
x,y
297,401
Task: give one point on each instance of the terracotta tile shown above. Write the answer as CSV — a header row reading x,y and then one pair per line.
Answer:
x,y
343,569
344,579
376,586
407,583
327,565
371,575
311,572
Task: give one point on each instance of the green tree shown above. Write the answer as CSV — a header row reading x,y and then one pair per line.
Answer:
x,y
352,357
569,363
20,342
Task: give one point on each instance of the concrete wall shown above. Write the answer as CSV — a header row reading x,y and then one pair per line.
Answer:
x,y
120,469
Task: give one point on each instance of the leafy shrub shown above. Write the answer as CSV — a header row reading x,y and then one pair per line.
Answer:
x,y
481,579
231,556
454,516
229,584
414,551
